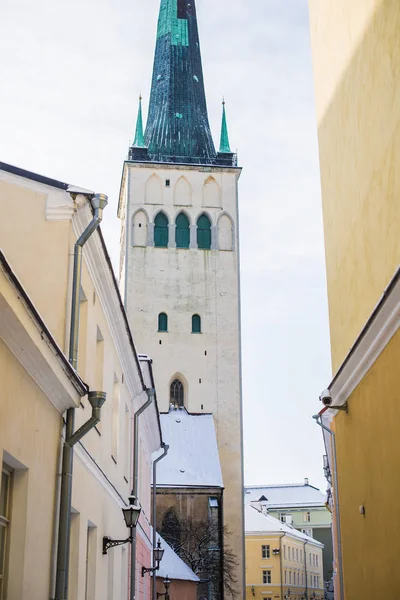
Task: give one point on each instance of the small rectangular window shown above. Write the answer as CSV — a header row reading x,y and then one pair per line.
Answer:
x,y
267,577
5,513
266,551
290,576
307,517
167,183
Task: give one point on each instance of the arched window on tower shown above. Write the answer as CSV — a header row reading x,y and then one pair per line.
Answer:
x,y
161,231
171,529
182,231
204,232
196,324
177,396
162,322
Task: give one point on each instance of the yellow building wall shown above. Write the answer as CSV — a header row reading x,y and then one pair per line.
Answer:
x,y
30,430
38,251
356,60
368,465
255,565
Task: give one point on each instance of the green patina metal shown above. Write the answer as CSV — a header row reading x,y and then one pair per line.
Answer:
x,y
139,137
224,147
168,23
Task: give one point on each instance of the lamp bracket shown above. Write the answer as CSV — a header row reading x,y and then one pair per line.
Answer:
x,y
149,570
109,543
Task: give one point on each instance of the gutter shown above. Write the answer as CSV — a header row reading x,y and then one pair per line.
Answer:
x,y
280,555
96,399
305,567
165,448
318,419
81,387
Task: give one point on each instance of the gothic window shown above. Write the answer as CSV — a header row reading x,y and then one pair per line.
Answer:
x,y
182,231
171,529
161,231
177,393
204,232
196,324
162,322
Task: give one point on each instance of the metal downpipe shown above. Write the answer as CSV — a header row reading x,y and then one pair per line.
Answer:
x,y
99,202
151,395
305,567
165,447
318,419
281,562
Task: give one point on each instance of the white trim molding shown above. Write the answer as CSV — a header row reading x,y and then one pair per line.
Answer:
x,y
373,339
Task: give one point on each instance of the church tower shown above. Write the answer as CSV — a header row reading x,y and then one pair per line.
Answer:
x,y
179,268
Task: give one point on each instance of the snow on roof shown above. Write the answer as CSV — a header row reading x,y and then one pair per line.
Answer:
x,y
192,459
257,522
284,496
173,566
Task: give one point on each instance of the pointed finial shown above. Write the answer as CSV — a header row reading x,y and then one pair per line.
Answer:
x,y
224,146
138,142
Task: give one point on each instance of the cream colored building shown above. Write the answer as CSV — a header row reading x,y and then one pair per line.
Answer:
x,y
41,220
281,562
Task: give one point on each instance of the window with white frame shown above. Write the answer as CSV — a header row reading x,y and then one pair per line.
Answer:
x,y
285,576
317,560
267,577
307,517
301,555
297,554
266,551
284,552
5,516
290,576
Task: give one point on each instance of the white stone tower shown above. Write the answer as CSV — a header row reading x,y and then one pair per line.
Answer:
x,y
179,265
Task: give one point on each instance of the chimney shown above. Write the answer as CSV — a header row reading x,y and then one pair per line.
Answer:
x,y
306,481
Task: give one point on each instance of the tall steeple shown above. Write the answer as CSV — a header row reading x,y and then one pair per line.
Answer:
x,y
177,126
224,146
138,142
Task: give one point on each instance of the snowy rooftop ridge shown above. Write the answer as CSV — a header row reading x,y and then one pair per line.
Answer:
x,y
193,458
173,566
257,522
286,495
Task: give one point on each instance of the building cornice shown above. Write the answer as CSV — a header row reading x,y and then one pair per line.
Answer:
x,y
373,339
26,335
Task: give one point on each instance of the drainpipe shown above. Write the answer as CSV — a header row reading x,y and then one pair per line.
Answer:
x,y
165,447
151,395
281,561
318,419
96,399
305,567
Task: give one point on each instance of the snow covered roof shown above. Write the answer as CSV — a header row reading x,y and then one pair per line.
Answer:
x,y
294,495
257,522
192,459
173,566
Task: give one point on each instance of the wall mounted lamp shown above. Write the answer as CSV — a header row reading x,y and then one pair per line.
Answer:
x,y
131,516
288,593
276,551
253,590
158,553
167,583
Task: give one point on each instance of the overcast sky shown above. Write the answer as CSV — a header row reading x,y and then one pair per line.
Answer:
x,y
71,72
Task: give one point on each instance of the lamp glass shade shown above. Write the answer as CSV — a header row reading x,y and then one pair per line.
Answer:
x,y
167,583
158,553
131,515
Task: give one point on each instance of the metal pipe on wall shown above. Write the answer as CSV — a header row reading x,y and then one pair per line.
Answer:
x,y
135,477
165,448
318,419
99,202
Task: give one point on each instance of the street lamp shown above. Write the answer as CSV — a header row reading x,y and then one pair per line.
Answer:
x,y
288,593
131,516
158,553
253,590
167,583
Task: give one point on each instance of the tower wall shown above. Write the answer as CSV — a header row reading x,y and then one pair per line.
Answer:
x,y
184,282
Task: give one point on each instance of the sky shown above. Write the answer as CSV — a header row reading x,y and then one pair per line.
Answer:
x,y
71,73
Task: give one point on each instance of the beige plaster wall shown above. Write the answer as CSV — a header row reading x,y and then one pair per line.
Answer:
x,y
356,58
30,429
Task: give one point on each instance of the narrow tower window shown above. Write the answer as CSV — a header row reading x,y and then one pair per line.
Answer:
x,y
204,232
196,324
182,231
162,322
161,231
177,393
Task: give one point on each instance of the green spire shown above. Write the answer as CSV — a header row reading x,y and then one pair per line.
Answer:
x,y
139,137
224,146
